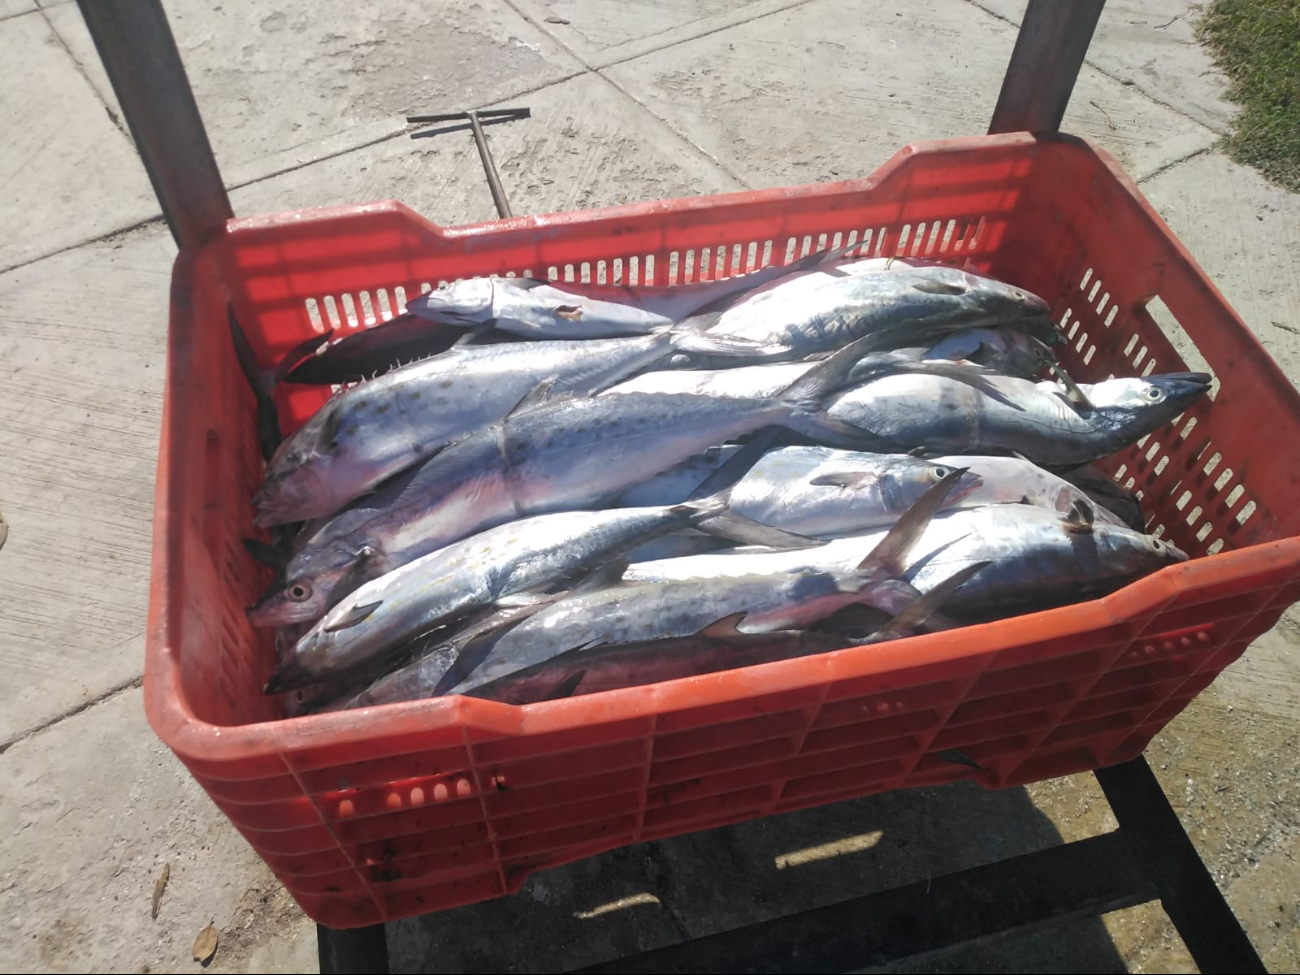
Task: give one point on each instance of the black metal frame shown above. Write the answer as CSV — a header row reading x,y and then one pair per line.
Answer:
x,y
1149,857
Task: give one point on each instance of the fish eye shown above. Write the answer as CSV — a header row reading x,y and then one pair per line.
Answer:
x,y
300,592
1155,393
939,472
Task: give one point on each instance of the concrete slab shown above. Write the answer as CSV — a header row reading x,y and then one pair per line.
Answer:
x,y
1151,45
57,135
1245,232
798,97
13,8
586,145
603,33
82,339
280,88
95,808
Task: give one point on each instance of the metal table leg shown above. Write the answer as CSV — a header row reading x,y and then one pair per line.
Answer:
x,y
356,951
1193,901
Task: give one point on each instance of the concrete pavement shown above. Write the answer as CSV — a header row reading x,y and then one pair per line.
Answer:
x,y
631,101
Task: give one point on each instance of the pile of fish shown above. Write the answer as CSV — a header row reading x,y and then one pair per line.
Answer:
x,y
522,490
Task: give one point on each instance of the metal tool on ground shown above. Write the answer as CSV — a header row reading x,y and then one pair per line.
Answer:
x,y
477,119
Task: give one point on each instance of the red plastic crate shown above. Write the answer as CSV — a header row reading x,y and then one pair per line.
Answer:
x,y
378,814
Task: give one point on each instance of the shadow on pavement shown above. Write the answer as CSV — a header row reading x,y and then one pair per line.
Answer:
x,y
660,893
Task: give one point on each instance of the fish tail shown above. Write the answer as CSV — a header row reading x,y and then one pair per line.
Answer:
x,y
805,403
735,527
832,432
264,381
692,335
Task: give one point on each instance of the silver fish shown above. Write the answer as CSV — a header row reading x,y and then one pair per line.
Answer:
x,y
818,311
1036,420
1038,558
533,308
721,647
484,570
821,491
742,604
563,455
369,432
828,492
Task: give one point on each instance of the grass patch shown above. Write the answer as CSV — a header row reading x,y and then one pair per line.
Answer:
x,y
1256,43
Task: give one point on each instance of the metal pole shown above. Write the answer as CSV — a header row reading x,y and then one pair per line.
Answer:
x,y
489,167
356,951
1193,901
139,53
1053,39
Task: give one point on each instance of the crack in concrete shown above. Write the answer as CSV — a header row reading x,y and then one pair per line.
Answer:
x,y
49,723
663,123
113,117
758,15
1110,77
1212,147
117,233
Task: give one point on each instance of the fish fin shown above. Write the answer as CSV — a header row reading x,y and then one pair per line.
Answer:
x,y
474,641
566,687
878,364
309,348
541,394
600,381
604,576
354,616
826,377
525,597
1076,396
359,571
723,628
843,479
735,467
958,757
806,263
888,555
261,381
931,287
475,335
266,553
1080,520
921,610
736,527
